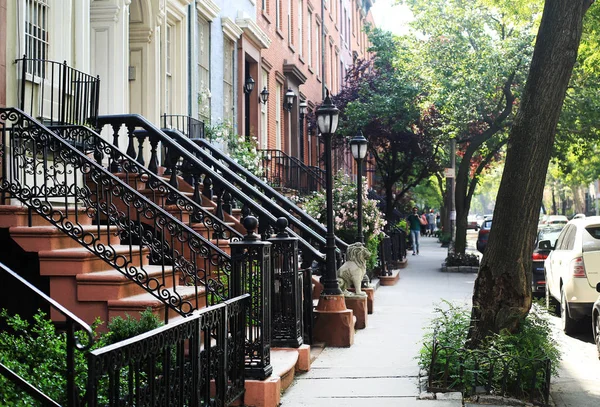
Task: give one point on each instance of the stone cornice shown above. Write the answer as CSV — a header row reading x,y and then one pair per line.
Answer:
x,y
140,34
208,9
104,12
266,64
230,29
292,70
178,8
253,32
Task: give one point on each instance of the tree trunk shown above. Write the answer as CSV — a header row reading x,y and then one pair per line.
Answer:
x,y
502,292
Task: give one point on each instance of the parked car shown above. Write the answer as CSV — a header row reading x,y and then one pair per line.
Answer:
x,y
596,321
573,270
538,280
482,236
550,220
472,222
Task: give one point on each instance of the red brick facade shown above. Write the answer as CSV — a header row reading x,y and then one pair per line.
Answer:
x,y
293,60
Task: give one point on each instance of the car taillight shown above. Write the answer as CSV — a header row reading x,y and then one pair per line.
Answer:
x,y
483,232
539,256
577,267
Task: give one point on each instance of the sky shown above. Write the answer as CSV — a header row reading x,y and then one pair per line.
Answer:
x,y
391,17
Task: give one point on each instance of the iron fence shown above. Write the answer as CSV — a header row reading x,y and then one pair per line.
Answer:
x,y
197,361
474,371
187,125
55,93
285,171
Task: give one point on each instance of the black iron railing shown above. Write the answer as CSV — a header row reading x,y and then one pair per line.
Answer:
x,y
187,125
217,181
488,372
188,210
398,238
306,225
197,361
73,327
55,93
386,264
284,171
57,181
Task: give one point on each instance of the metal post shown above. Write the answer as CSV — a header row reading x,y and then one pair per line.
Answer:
x,y
452,188
360,237
301,138
330,283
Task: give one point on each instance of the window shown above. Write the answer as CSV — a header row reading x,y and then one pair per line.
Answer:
x,y
36,34
228,75
290,28
168,70
278,117
264,115
264,5
203,71
309,38
278,14
318,48
300,12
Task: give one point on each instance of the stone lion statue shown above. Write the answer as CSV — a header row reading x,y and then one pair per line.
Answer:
x,y
351,273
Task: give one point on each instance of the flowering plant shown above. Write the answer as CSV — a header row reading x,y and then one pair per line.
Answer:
x,y
240,150
345,209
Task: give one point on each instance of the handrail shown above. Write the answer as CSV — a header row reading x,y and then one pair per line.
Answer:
x,y
73,342
267,190
64,95
270,155
189,126
86,139
172,246
136,120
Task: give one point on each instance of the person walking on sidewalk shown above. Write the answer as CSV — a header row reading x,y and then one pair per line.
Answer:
x,y
414,222
430,223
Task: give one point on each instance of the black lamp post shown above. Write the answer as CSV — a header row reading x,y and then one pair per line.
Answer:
x,y
248,88
303,107
264,95
289,100
358,145
327,119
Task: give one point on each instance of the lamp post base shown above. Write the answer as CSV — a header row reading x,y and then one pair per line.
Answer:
x,y
334,323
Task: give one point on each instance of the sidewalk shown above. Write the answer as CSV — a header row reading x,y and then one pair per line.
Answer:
x,y
380,369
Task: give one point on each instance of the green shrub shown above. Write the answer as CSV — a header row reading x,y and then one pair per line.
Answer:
x,y
522,356
459,259
38,353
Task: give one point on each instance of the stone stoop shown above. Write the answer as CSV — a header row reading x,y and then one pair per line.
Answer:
x,y
285,362
390,280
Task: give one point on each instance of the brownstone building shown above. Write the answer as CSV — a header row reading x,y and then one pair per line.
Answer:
x,y
2,52
307,54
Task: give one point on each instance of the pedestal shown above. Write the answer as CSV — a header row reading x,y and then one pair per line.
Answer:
x,y
370,298
334,323
358,305
390,280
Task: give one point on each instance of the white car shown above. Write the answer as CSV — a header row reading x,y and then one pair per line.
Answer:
x,y
572,270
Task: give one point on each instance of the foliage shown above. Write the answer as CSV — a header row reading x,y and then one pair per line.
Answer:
x,y
242,151
382,97
461,259
37,352
402,224
346,213
521,352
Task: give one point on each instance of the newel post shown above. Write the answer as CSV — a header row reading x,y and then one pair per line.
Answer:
x,y
251,273
286,289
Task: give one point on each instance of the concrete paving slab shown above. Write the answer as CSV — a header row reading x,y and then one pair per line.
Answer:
x,y
371,402
363,387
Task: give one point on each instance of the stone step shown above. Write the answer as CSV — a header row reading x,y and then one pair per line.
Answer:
x,y
17,215
113,284
44,238
133,305
80,260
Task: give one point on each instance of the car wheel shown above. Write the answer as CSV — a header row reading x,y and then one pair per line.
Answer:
x,y
552,305
597,333
568,323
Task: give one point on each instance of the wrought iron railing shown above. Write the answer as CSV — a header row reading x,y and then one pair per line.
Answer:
x,y
73,327
187,125
475,371
307,226
197,361
284,171
398,238
217,181
188,210
55,93
386,263
57,181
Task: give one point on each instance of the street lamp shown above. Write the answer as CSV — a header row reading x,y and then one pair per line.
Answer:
x,y
248,88
303,108
327,119
358,145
